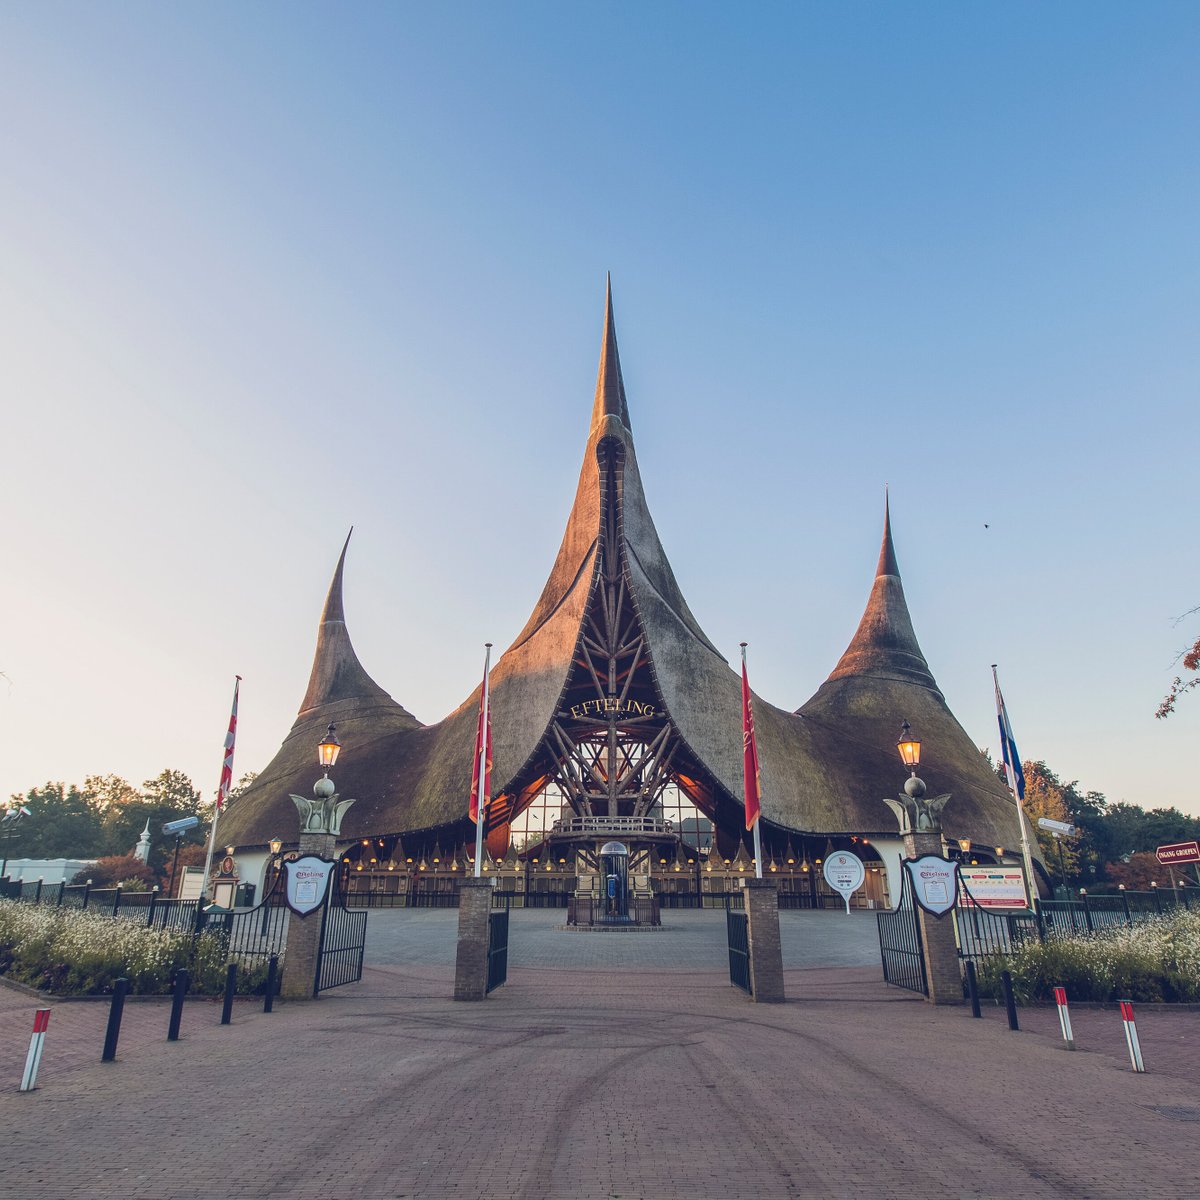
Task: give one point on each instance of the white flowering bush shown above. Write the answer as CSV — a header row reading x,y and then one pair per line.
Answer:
x,y
74,952
1153,960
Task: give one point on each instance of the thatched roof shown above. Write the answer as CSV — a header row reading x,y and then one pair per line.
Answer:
x,y
824,769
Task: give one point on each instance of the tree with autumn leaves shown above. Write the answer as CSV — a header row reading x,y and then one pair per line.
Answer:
x,y
1191,662
1116,841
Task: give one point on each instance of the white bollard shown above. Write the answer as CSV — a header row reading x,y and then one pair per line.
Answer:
x,y
33,1059
1131,1037
1064,1016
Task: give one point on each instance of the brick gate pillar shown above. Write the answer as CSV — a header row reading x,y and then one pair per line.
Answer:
x,y
304,933
471,960
762,927
938,944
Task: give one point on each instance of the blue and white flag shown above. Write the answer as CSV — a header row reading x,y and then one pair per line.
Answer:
x,y
1008,746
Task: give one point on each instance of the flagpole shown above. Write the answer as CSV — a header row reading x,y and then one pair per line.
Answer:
x,y
758,863
226,773
481,800
1022,819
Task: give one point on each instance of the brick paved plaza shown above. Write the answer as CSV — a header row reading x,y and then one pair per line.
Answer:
x,y
594,1080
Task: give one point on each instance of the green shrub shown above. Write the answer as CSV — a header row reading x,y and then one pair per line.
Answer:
x,y
73,952
1154,960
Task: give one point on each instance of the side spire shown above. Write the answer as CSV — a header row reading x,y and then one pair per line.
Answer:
x,y
610,387
336,672
885,644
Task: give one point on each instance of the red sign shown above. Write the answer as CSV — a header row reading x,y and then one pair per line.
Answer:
x,y
1180,852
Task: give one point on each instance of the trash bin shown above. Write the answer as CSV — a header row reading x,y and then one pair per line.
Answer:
x,y
245,895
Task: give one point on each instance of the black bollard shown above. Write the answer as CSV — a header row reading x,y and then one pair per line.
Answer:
x,y
1010,1005
181,986
230,988
114,1020
973,988
272,973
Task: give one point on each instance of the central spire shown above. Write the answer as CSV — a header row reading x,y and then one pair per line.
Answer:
x,y
610,387
885,644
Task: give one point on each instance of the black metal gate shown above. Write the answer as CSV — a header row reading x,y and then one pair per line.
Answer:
x,y
737,928
497,948
343,939
900,944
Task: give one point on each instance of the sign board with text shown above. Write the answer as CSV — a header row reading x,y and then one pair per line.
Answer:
x,y
844,872
934,882
1178,852
307,881
993,887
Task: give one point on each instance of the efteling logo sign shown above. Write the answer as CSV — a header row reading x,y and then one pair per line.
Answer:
x,y
306,882
611,706
934,883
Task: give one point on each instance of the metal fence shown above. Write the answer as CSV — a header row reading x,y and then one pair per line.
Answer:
x,y
585,910
900,945
343,940
986,933
737,933
497,948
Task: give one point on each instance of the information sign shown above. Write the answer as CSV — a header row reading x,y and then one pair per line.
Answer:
x,y
993,887
934,882
1178,852
307,882
844,872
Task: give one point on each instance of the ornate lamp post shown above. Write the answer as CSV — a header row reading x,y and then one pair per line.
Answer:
x,y
320,825
920,821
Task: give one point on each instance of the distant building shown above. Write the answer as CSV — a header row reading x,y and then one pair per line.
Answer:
x,y
615,716
48,870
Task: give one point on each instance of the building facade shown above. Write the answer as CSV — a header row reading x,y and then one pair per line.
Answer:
x,y
614,716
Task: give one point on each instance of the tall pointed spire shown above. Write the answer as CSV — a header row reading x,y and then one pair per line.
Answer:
x,y
887,552
336,672
610,387
885,644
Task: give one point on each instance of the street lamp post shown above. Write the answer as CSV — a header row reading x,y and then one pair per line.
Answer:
x,y
320,827
920,821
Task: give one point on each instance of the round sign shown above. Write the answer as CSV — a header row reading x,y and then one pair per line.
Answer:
x,y
844,872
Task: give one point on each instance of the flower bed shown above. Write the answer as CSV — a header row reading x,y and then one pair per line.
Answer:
x,y
71,952
1154,960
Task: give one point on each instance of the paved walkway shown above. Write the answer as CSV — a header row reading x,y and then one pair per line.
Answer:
x,y
689,939
585,1084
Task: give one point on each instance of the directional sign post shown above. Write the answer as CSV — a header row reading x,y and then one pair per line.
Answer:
x,y
1178,852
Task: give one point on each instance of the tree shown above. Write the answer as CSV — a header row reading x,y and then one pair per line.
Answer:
x,y
1047,796
1140,872
63,822
241,786
118,868
169,796
1191,662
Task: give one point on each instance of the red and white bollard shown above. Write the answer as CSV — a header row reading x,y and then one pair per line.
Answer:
x,y
33,1059
1064,1016
1131,1037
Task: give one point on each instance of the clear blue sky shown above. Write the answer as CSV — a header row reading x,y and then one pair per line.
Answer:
x,y
272,270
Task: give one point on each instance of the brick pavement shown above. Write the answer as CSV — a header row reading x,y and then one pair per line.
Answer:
x,y
596,1085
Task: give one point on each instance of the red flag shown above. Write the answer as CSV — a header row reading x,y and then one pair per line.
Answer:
x,y
749,752
483,732
227,763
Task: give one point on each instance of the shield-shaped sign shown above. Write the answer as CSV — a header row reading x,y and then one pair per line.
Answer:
x,y
306,882
934,883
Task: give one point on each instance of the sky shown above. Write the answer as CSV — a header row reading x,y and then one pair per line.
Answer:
x,y
273,270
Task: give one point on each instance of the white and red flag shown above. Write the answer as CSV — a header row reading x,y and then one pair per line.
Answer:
x,y
226,784
749,751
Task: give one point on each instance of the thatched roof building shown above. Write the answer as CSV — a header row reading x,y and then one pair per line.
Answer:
x,y
612,625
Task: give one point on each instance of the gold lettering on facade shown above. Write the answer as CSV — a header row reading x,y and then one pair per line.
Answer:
x,y
612,706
